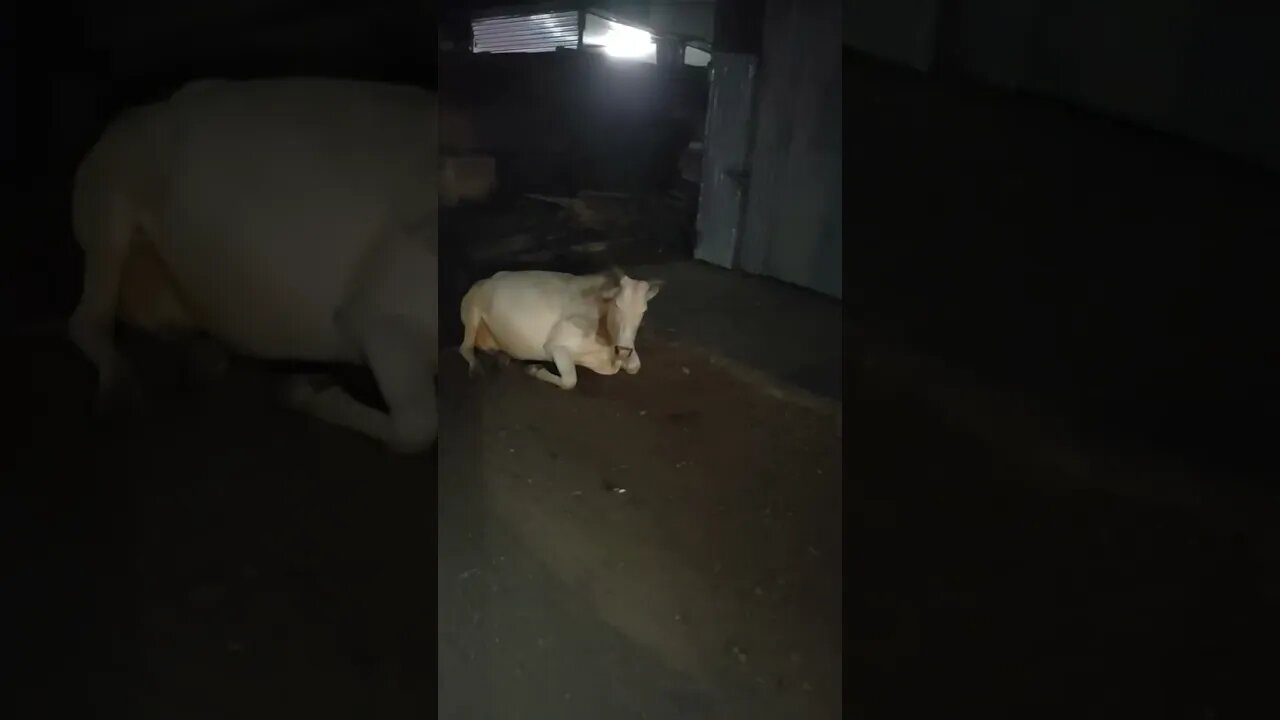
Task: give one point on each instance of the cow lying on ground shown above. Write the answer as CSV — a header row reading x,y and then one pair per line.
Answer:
x,y
290,219
568,320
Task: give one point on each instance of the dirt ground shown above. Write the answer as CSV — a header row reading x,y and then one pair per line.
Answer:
x,y
651,546
217,556
1009,589
666,545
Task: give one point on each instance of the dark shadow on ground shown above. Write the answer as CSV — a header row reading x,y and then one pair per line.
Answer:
x,y
214,555
1007,589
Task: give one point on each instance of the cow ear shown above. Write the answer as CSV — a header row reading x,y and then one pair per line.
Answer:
x,y
654,287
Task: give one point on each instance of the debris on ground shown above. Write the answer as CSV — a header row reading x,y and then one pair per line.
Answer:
x,y
505,246
545,230
590,247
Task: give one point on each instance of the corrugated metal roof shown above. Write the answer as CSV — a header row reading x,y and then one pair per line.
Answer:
x,y
542,32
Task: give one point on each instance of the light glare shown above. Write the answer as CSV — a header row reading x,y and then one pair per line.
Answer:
x,y
624,42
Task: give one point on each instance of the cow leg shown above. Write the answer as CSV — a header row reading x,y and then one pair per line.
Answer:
x,y
402,363
568,377
468,347
632,364
333,405
92,324
471,320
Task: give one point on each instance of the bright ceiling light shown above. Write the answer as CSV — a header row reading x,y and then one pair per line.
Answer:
x,y
625,42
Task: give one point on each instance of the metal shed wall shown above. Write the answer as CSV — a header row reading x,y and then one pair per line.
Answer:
x,y
540,32
793,228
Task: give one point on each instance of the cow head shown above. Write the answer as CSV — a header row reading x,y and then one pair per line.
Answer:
x,y
626,300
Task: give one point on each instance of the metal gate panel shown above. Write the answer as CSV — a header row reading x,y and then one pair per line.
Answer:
x,y
725,154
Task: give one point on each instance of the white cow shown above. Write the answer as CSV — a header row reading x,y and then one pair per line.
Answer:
x,y
289,219
570,320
